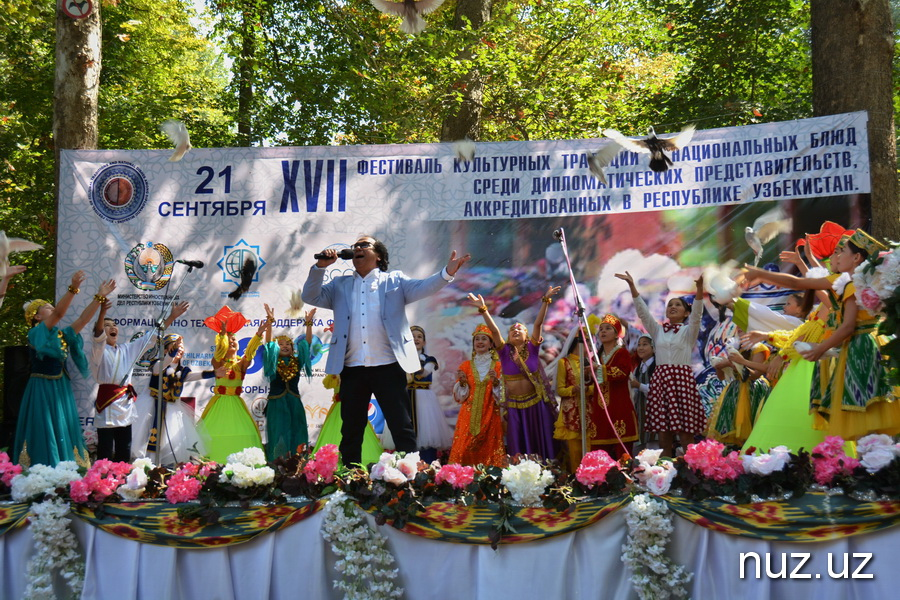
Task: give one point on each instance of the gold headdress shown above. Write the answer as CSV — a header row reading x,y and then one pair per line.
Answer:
x,y
31,309
864,241
613,320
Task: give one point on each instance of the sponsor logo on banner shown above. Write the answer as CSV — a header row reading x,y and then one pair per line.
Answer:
x,y
118,191
149,266
234,257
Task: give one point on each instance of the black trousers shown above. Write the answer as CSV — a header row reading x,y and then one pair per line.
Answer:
x,y
114,443
388,384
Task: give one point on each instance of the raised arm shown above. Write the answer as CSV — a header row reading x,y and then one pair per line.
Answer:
x,y
98,324
270,318
752,274
537,332
62,306
177,310
255,341
105,289
640,307
478,302
308,322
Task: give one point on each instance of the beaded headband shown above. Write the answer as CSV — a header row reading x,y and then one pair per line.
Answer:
x,y
171,338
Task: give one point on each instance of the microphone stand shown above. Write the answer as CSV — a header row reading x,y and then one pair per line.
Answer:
x,y
161,433
588,345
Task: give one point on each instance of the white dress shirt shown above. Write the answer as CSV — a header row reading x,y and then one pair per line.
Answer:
x,y
112,364
672,348
368,344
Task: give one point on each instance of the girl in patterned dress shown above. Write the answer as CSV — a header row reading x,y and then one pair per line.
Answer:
x,y
857,399
674,407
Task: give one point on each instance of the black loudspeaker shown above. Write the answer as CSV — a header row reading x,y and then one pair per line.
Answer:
x,y
16,371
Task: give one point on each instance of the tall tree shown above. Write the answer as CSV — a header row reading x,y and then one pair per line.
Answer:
x,y
852,54
77,87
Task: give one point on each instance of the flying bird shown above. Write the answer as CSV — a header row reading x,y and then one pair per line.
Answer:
x,y
719,281
597,161
766,227
655,146
248,270
410,10
296,305
464,149
178,135
9,245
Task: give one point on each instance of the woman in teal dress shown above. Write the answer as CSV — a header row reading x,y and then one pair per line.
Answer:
x,y
226,426
48,430
283,363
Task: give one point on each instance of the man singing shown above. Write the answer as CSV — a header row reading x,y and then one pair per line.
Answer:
x,y
372,347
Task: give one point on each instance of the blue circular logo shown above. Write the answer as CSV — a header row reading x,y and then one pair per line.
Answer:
x,y
235,260
118,191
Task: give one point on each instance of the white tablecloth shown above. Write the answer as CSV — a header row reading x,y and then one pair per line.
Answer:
x,y
296,563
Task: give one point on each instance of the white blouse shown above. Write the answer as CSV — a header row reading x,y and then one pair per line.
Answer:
x,y
672,348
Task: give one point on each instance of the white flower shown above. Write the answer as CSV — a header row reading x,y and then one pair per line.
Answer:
x,y
377,471
526,482
878,458
767,463
660,477
409,465
393,475
251,457
648,456
143,463
129,494
243,476
872,441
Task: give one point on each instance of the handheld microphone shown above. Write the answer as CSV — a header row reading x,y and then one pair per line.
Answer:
x,y
197,264
345,254
558,234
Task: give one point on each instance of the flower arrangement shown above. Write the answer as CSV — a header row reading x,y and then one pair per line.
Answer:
x,y
101,481
653,574
458,477
653,473
364,560
830,463
709,459
56,551
8,470
247,469
42,480
877,282
526,482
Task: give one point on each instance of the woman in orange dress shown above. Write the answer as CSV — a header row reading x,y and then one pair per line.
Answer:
x,y
478,439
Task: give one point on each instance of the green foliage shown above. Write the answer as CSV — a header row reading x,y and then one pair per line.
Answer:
x,y
156,65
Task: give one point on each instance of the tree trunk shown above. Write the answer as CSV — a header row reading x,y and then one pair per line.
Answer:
x,y
78,53
466,120
246,76
852,54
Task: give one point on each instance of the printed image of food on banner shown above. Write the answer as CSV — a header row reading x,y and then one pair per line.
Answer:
x,y
133,216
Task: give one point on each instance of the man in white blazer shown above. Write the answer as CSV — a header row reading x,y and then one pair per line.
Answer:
x,y
371,346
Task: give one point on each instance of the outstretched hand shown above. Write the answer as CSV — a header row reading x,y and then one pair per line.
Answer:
x,y
106,288
455,264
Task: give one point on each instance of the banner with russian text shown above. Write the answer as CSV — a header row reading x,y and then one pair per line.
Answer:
x,y
132,214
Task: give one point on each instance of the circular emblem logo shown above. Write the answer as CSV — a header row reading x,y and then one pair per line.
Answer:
x,y
118,192
235,260
149,354
258,408
149,266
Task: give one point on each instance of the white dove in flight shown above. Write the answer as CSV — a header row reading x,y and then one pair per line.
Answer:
x,y
464,149
410,10
178,135
655,146
597,161
9,245
766,227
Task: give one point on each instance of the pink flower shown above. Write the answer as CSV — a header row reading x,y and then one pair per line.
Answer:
x,y
458,476
323,465
830,462
594,467
706,458
869,299
7,469
183,486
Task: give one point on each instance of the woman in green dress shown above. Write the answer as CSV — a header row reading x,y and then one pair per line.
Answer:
x,y
48,430
226,426
283,362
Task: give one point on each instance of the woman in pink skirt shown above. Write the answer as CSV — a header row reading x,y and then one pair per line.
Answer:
x,y
674,406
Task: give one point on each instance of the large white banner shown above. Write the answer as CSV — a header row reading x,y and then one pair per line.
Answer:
x,y
131,214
